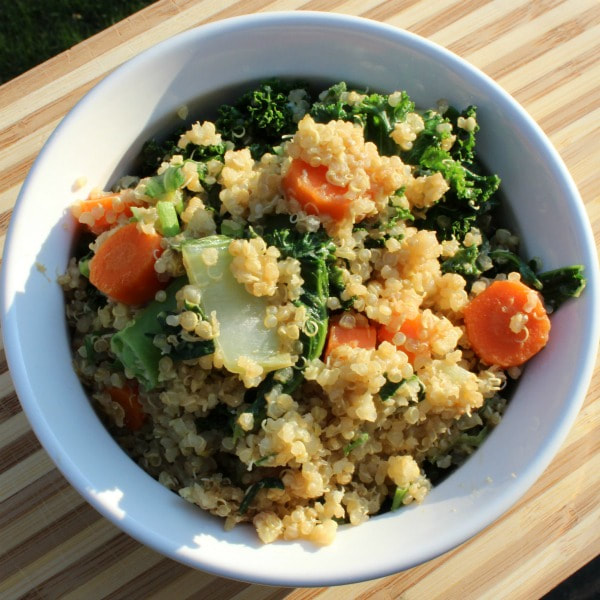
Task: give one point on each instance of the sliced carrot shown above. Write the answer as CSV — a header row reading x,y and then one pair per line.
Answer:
x,y
360,335
507,324
411,328
123,266
309,186
128,399
100,213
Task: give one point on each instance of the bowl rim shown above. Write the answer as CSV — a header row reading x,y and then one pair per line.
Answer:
x,y
302,18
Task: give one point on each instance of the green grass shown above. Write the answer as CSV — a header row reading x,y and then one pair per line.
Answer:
x,y
32,31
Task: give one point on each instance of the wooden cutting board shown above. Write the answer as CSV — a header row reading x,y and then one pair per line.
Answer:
x,y
53,545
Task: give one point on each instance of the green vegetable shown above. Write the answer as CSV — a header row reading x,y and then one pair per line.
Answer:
x,y
430,137
240,315
359,441
259,118
313,250
167,218
389,388
473,439
374,113
264,459
398,497
556,286
154,153
559,285
162,186
184,346
232,229
463,148
84,265
133,345
504,257
267,482
315,253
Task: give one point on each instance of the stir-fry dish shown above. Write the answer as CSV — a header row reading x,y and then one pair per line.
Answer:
x,y
305,312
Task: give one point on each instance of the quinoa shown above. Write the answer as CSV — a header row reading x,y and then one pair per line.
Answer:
x,y
311,440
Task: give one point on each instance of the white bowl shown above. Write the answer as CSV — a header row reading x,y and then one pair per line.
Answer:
x,y
98,140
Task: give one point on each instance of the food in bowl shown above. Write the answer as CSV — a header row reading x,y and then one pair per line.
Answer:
x,y
306,312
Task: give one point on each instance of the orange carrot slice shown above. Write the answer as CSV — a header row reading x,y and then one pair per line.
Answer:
x,y
123,266
361,335
317,196
507,324
411,328
128,399
100,213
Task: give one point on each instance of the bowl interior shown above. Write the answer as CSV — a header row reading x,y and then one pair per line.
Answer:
x,y
100,138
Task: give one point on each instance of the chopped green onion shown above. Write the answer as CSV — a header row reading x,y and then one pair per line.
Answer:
x,y
167,218
359,441
84,266
398,497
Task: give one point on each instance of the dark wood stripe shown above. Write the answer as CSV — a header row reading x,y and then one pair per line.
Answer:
x,y
3,363
429,25
48,538
5,216
150,581
576,109
547,41
492,30
322,5
18,450
386,10
89,565
561,75
9,407
27,499
48,113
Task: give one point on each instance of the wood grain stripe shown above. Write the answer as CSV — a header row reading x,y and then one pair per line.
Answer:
x,y
112,552
9,406
490,23
525,34
47,538
18,450
429,24
135,575
17,478
33,573
56,504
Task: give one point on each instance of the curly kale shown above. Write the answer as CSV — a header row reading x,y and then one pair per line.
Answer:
x,y
431,137
463,148
373,112
556,286
471,195
260,118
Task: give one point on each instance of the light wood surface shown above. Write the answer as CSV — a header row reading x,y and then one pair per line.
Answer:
x,y
54,545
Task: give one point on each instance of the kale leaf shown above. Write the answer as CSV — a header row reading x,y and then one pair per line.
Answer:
x,y
373,112
260,117
559,285
471,195
431,137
